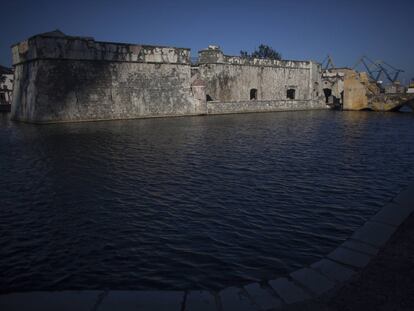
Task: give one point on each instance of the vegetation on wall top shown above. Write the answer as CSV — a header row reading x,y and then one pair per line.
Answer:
x,y
263,52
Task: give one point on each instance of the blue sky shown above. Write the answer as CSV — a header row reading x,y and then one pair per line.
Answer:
x,y
298,29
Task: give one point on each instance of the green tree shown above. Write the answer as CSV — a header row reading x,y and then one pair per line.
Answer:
x,y
264,52
244,54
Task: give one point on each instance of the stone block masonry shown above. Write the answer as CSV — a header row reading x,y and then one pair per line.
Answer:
x,y
262,106
232,78
60,78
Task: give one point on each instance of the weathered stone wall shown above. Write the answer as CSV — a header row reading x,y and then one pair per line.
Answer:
x,y
355,93
50,91
231,78
56,45
333,85
60,78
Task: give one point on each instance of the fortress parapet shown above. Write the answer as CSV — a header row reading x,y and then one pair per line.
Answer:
x,y
57,45
213,55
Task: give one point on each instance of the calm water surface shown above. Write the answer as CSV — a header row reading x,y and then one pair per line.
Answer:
x,y
197,202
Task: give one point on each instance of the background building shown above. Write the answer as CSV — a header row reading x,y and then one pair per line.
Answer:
x,y
6,88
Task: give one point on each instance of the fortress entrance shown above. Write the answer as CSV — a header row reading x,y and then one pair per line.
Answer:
x,y
328,93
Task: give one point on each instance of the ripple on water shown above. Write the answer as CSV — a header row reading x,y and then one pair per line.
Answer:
x,y
190,202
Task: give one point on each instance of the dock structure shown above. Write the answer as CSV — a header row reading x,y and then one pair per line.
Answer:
x,y
352,90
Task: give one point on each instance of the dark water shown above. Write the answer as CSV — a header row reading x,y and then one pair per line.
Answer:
x,y
201,202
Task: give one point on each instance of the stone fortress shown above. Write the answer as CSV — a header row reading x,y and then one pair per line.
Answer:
x,y
60,78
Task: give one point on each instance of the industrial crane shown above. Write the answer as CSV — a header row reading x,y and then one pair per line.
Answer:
x,y
376,69
329,63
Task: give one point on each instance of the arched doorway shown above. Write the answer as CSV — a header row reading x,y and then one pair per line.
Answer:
x,y
328,93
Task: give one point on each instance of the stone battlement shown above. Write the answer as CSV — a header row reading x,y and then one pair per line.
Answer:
x,y
213,55
57,45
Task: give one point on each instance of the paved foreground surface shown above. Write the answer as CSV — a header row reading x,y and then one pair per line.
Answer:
x,y
387,283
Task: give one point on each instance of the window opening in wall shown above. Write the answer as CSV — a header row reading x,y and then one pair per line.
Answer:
x,y
316,89
290,93
208,98
253,94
